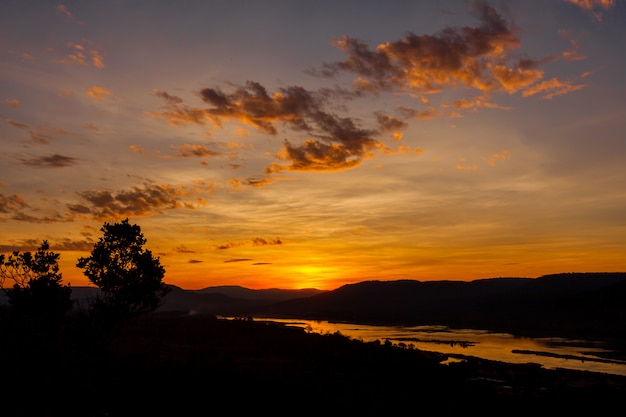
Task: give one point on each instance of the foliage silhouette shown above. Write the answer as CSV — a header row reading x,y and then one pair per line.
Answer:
x,y
37,291
129,276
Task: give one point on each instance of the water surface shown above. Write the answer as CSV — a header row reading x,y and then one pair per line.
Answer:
x,y
551,353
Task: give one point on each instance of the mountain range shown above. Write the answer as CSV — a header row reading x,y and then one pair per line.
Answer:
x,y
567,304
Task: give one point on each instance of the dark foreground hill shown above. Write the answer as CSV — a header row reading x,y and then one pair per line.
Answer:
x,y
172,365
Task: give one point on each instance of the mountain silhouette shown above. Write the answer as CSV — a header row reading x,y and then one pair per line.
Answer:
x,y
567,304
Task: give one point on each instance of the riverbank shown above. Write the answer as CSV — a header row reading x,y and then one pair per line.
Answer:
x,y
169,364
172,364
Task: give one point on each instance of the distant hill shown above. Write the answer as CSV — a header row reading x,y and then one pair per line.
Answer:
x,y
592,304
589,304
229,300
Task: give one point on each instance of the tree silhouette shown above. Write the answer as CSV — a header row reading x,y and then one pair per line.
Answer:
x,y
37,290
129,276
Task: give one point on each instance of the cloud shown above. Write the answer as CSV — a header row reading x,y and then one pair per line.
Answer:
x,y
51,161
474,102
257,241
64,244
138,201
91,127
477,58
62,9
595,7
80,55
189,151
388,122
72,245
335,142
411,113
183,249
238,260
12,103
12,203
257,181
317,137
21,216
39,138
195,261
230,245
14,123
552,88
99,93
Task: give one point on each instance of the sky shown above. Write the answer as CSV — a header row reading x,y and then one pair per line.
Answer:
x,y
297,144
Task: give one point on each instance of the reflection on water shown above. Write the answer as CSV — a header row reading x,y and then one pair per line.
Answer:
x,y
551,353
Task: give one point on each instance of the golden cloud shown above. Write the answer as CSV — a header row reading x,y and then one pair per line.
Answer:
x,y
552,88
595,7
99,93
81,56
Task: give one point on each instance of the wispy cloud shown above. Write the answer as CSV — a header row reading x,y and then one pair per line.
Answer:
x,y
595,7
11,203
81,54
17,124
552,88
63,10
257,241
189,151
50,161
15,103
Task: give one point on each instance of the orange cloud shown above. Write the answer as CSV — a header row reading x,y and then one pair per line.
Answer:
x,y
99,93
80,55
503,156
426,64
552,88
137,149
515,79
12,103
473,103
475,57
595,7
338,142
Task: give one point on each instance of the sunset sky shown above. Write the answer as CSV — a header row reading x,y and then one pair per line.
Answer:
x,y
294,144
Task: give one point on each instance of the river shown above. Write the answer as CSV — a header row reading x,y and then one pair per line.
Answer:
x,y
551,353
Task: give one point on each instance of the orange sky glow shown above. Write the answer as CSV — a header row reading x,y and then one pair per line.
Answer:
x,y
288,144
